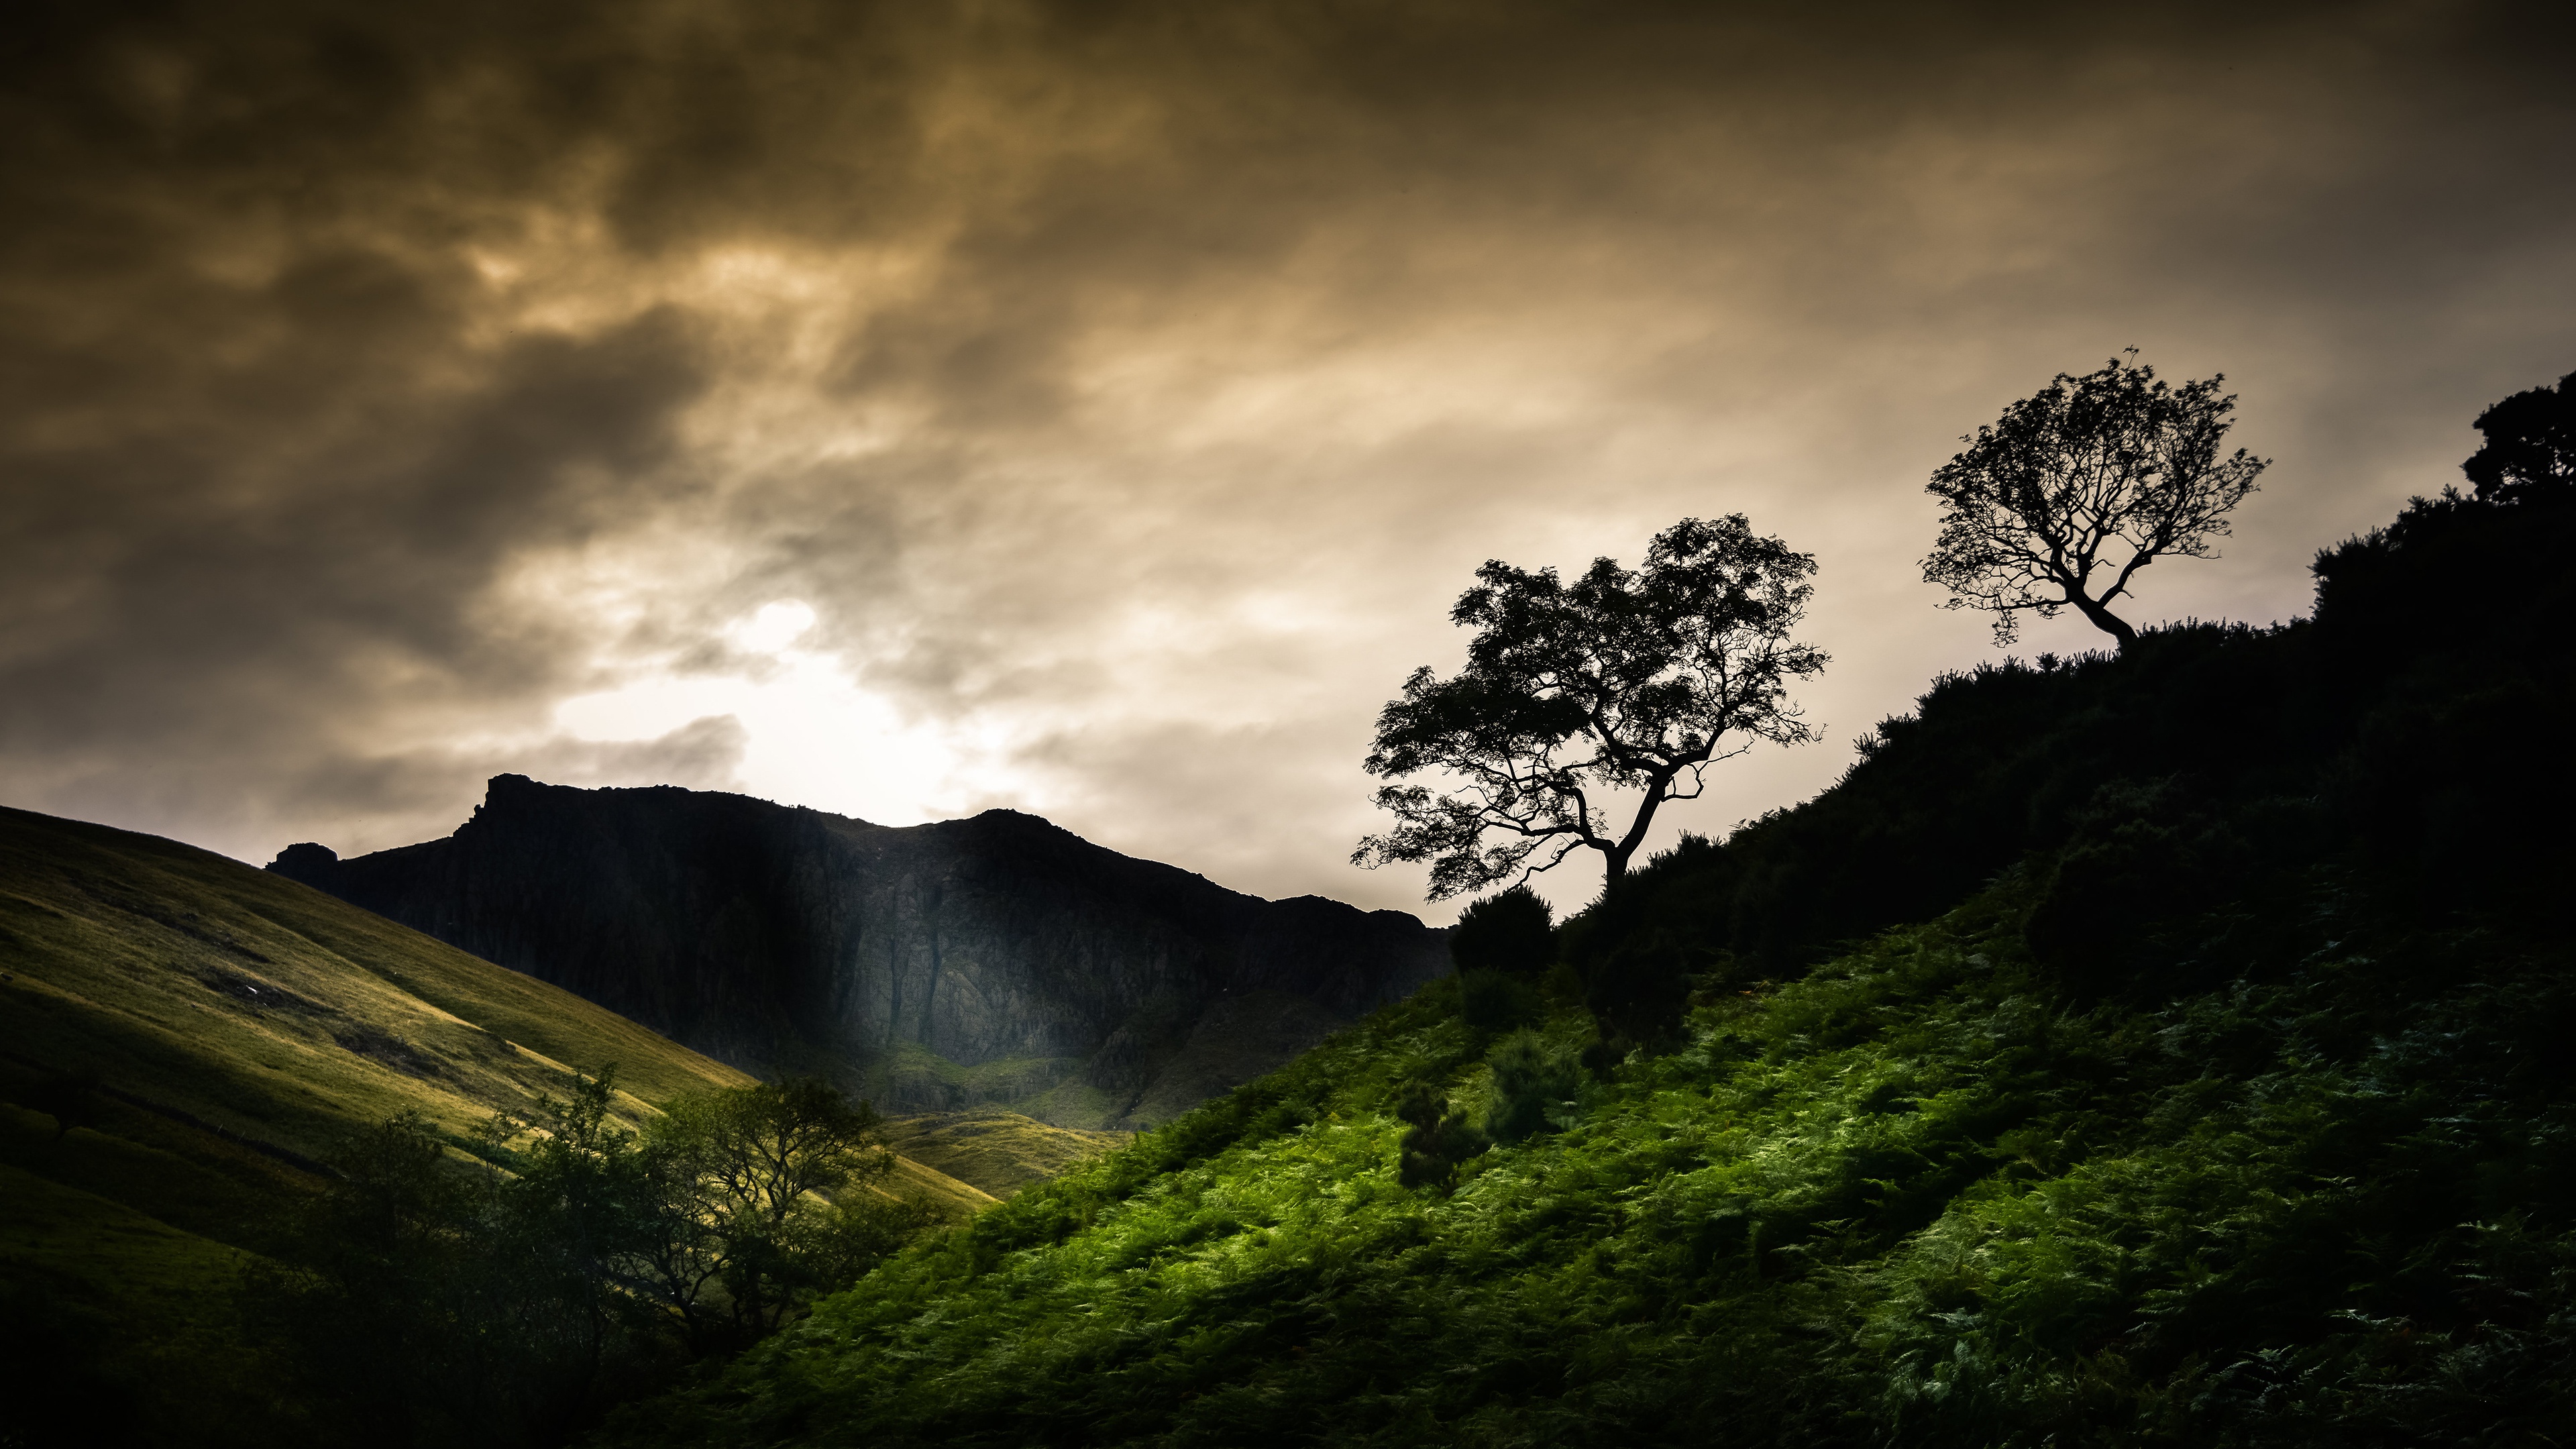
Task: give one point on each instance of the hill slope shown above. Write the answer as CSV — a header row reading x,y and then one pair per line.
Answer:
x,y
239,1027
2220,1095
985,962
1909,1198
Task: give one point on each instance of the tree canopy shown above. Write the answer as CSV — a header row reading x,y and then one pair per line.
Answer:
x,y
2076,488
2530,443
431,1301
1616,681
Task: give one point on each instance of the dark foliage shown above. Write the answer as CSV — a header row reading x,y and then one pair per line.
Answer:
x,y
1502,946
1535,1086
1491,1002
2140,863
427,1301
1637,991
2530,446
1510,932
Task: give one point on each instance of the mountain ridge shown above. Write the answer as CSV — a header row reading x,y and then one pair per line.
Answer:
x,y
999,960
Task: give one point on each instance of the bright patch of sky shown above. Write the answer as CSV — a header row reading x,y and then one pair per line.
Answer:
x,y
813,735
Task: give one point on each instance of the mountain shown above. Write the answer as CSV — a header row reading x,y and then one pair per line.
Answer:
x,y
973,963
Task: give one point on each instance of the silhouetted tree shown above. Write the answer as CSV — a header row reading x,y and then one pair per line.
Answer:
x,y
2530,446
2079,486
1618,680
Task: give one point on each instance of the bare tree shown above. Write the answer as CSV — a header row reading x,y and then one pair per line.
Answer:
x,y
1617,681
2076,488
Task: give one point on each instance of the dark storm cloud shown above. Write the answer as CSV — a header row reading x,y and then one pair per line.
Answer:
x,y
1145,377
257,478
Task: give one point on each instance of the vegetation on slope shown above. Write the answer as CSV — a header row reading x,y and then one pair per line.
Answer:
x,y
271,1011
1000,1152
2230,1107
184,1043
1908,1196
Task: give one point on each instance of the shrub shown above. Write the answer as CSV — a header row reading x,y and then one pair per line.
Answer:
x,y
1510,933
1536,1085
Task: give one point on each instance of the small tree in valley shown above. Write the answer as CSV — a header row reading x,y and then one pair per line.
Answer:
x,y
1617,681
2076,488
746,1168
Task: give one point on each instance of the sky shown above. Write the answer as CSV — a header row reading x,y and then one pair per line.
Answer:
x,y
1093,409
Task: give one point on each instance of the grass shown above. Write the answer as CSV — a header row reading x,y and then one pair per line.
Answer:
x,y
241,1026
999,1152
269,1009
79,1274
1233,1036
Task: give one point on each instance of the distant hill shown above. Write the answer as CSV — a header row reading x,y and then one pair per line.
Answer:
x,y
220,1032
997,961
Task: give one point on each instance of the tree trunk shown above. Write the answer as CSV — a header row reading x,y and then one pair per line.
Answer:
x,y
2104,620
1616,866
1624,849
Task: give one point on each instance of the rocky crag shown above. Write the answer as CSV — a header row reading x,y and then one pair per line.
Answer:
x,y
997,961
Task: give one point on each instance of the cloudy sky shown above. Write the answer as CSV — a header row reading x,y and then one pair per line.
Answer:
x,y
1094,408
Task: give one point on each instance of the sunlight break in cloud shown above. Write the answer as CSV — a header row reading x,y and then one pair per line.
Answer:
x,y
811,734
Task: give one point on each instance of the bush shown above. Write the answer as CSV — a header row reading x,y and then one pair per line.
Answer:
x,y
1638,991
1510,933
1536,1086
1491,1002
2143,859
1439,1138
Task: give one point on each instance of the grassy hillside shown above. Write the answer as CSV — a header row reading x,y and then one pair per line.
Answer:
x,y
2165,1048
234,1028
270,1010
998,1152
1911,1196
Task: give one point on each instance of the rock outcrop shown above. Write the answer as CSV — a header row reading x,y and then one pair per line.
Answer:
x,y
997,960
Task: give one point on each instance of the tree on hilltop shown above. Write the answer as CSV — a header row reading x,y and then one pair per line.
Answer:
x,y
2060,502
1616,681
2530,444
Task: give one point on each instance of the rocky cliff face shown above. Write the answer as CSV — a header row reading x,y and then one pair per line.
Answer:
x,y
992,960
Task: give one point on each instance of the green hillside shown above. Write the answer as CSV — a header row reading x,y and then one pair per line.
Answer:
x,y
1909,1197
2167,1047
222,1031
999,1152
